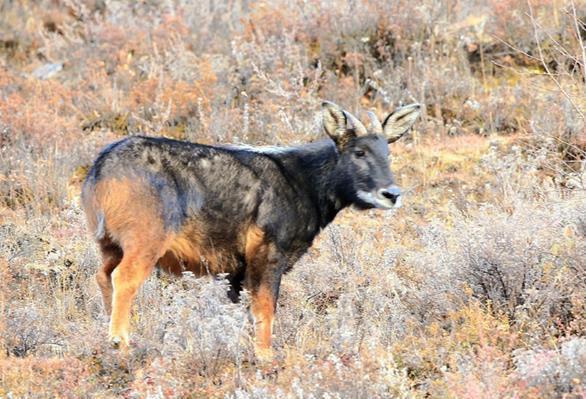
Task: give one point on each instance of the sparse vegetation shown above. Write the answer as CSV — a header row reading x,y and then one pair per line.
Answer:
x,y
474,289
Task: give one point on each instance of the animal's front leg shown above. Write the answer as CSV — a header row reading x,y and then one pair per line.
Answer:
x,y
263,305
264,266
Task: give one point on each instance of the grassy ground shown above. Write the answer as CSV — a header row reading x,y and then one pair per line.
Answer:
x,y
474,289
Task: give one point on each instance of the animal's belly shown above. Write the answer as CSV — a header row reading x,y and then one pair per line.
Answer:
x,y
191,255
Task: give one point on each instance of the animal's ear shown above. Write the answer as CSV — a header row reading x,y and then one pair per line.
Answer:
x,y
399,121
334,120
340,125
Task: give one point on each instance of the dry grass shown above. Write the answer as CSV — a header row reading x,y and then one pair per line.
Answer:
x,y
475,288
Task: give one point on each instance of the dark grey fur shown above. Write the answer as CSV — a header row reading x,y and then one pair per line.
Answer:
x,y
290,193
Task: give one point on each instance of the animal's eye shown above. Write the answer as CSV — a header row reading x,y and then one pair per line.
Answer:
x,y
359,153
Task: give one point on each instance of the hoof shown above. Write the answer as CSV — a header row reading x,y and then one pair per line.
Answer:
x,y
118,343
264,355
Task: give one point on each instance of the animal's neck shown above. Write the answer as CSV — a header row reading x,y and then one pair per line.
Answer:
x,y
315,165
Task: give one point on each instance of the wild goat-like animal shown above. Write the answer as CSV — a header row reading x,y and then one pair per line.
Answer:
x,y
250,212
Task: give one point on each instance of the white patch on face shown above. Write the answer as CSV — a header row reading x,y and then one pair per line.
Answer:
x,y
377,201
399,202
204,163
371,199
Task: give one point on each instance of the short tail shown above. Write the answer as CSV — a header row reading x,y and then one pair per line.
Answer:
x,y
100,232
95,216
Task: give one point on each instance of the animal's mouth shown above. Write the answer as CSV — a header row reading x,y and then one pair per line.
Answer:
x,y
378,201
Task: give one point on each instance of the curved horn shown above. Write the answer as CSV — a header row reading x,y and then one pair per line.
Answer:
x,y
356,124
375,124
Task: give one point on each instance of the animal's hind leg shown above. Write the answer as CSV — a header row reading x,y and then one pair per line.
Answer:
x,y
111,256
127,278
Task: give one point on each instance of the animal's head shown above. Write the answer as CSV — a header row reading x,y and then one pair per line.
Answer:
x,y
364,162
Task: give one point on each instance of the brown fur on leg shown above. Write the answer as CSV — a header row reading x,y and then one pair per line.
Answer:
x,y
127,278
262,279
263,311
111,255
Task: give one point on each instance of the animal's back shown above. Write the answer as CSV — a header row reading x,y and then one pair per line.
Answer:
x,y
197,201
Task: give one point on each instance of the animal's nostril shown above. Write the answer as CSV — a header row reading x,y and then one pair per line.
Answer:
x,y
390,195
